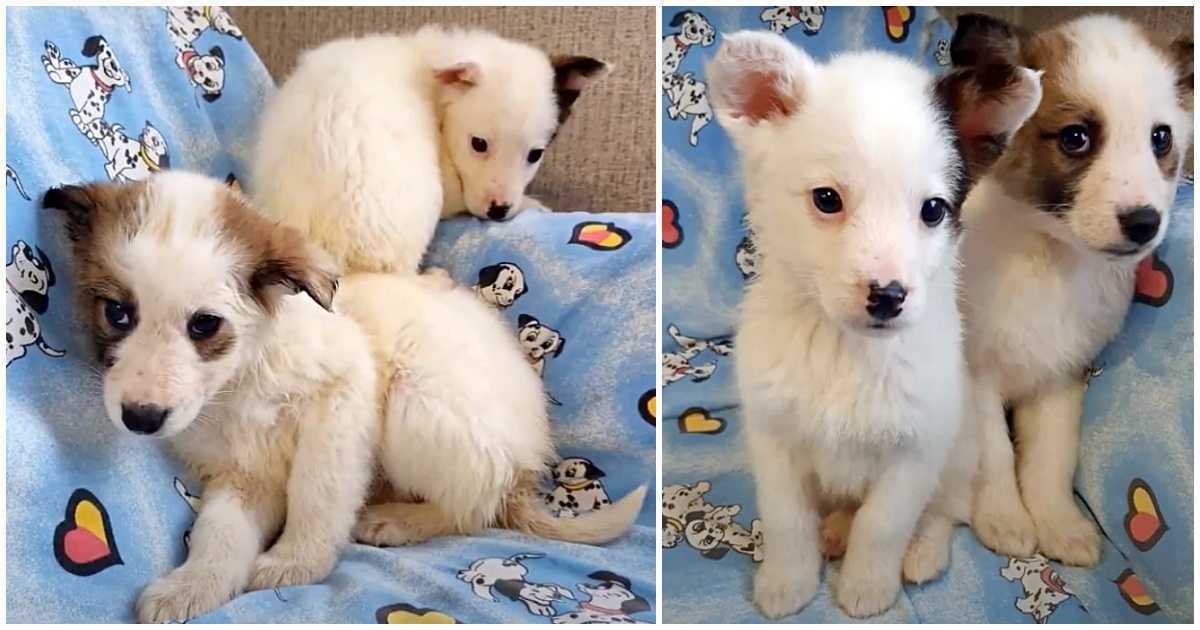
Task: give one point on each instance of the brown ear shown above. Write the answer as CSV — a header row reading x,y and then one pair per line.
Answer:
x,y
981,39
463,74
986,105
87,204
572,74
289,265
1180,51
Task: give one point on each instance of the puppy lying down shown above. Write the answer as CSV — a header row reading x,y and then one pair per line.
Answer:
x,y
218,330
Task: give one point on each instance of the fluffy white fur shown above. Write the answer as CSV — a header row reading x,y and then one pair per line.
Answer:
x,y
372,139
465,426
280,427
1042,296
838,412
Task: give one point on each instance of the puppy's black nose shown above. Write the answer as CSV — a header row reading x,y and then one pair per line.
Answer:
x,y
883,303
498,211
1140,224
144,419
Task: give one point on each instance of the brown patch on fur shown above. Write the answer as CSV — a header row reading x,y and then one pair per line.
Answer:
x,y
281,257
1035,169
217,345
573,73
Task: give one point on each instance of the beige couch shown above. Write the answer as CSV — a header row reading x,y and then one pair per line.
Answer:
x,y
603,160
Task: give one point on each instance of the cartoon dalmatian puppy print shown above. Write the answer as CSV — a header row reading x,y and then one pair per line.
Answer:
x,y
10,174
747,257
130,159
91,86
610,600
687,96
781,19
1044,589
30,277
489,577
500,284
193,502
681,503
678,365
206,71
577,488
714,534
941,54
540,342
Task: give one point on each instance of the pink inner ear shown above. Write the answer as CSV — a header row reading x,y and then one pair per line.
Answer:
x,y
461,73
763,98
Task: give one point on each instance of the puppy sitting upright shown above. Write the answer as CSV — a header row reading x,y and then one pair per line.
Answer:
x,y
850,364
268,397
1054,235
372,139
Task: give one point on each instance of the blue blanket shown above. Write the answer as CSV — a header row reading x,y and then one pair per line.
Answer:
x,y
95,514
1135,470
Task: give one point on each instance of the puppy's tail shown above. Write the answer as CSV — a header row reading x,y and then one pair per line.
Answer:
x,y
526,512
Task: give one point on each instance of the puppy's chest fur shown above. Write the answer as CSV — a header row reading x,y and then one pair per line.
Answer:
x,y
1035,308
844,403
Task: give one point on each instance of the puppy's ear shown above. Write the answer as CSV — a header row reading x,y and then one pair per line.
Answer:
x,y
716,553
92,45
209,97
558,347
572,75
218,53
1181,55
635,605
488,275
524,320
291,266
981,39
46,263
80,206
986,105
460,74
757,77
678,18
591,471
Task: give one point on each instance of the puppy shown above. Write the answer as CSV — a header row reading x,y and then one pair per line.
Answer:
x,y
91,86
465,428
266,396
372,139
851,366
612,600
489,577
30,277
539,341
130,159
577,488
500,284
1054,234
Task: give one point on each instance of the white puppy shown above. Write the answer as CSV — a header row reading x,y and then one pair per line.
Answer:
x,y
1054,234
372,139
850,365
465,427
267,397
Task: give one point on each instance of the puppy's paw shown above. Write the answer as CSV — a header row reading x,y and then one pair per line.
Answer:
x,y
864,593
925,559
783,590
835,533
1068,536
285,568
180,596
1003,525
383,526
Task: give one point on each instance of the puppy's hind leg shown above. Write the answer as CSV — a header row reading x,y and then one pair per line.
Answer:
x,y
998,517
398,524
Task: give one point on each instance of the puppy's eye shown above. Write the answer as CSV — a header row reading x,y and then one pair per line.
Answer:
x,y
119,314
203,325
1160,139
479,145
547,344
933,211
1074,140
534,156
827,200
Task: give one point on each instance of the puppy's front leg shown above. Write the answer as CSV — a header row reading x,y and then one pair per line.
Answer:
x,y
327,486
883,526
1047,427
998,517
235,517
790,571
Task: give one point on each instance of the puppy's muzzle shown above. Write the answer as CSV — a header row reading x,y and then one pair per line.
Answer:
x,y
884,303
498,211
144,419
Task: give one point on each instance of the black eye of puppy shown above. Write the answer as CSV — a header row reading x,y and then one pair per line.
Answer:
x,y
1160,139
1074,140
119,315
479,144
827,200
933,211
534,156
203,326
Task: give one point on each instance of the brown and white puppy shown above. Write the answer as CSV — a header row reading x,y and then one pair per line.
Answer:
x,y
1053,236
214,331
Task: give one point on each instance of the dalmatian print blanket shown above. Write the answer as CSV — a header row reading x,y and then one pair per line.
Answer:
x,y
93,515
1136,462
